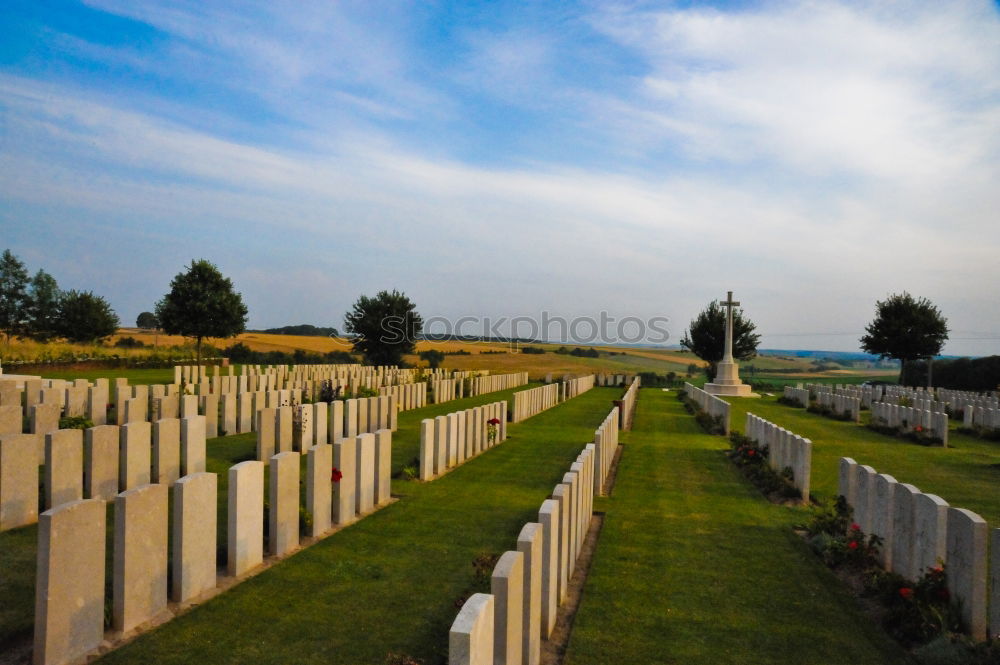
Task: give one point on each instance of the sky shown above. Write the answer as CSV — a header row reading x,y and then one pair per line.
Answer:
x,y
501,159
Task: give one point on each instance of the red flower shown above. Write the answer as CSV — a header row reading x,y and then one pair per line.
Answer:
x,y
750,452
336,475
906,592
493,421
853,545
919,428
855,527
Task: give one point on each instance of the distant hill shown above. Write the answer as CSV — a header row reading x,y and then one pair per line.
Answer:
x,y
303,330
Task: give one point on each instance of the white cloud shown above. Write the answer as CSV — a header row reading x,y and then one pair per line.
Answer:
x,y
811,156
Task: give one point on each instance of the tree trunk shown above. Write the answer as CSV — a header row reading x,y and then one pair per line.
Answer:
x,y
902,370
198,353
930,371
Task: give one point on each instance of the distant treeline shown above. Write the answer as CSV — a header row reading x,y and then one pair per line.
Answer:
x,y
303,330
977,374
242,354
444,337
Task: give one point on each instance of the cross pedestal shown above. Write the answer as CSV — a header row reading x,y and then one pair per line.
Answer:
x,y
727,374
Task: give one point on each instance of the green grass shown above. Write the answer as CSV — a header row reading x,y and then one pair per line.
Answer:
x,y
966,474
694,566
389,583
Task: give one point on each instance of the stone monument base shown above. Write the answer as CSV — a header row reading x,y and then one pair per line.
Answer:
x,y
729,389
727,381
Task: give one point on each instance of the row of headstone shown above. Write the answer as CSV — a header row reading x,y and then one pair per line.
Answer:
x,y
407,395
577,386
977,416
348,379
78,398
785,450
960,400
70,588
296,428
909,419
867,394
533,401
96,463
920,531
841,405
626,405
710,404
605,447
481,385
613,379
445,390
450,440
507,626
798,395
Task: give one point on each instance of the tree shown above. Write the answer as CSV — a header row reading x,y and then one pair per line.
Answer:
x,y
386,327
85,317
147,321
202,303
13,295
44,300
706,336
905,328
433,357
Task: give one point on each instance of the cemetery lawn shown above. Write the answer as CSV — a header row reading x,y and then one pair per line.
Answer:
x,y
966,474
694,566
394,581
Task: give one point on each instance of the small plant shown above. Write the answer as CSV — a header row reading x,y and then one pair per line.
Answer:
x,y
75,422
402,659
410,472
492,429
305,520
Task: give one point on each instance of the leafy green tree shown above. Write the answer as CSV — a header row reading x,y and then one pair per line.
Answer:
x,y
44,300
905,328
13,295
706,336
202,303
85,317
433,357
385,327
147,321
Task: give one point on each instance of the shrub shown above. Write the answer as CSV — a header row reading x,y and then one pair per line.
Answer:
x,y
129,343
75,422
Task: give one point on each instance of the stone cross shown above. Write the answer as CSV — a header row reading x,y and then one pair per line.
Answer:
x,y
729,304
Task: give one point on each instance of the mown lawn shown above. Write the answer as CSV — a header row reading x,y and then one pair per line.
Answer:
x,y
694,566
966,474
393,581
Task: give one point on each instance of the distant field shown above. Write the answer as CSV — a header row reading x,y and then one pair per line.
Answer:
x,y
494,356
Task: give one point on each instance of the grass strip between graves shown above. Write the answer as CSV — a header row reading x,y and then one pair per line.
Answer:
x,y
966,474
390,582
694,566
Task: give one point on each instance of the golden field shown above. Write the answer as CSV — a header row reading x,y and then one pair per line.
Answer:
x,y
495,356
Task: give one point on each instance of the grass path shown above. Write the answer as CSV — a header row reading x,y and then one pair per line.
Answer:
x,y
966,474
390,582
694,566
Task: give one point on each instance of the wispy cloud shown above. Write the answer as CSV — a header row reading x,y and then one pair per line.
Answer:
x,y
811,156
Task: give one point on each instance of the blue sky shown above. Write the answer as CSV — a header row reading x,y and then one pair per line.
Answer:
x,y
507,158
